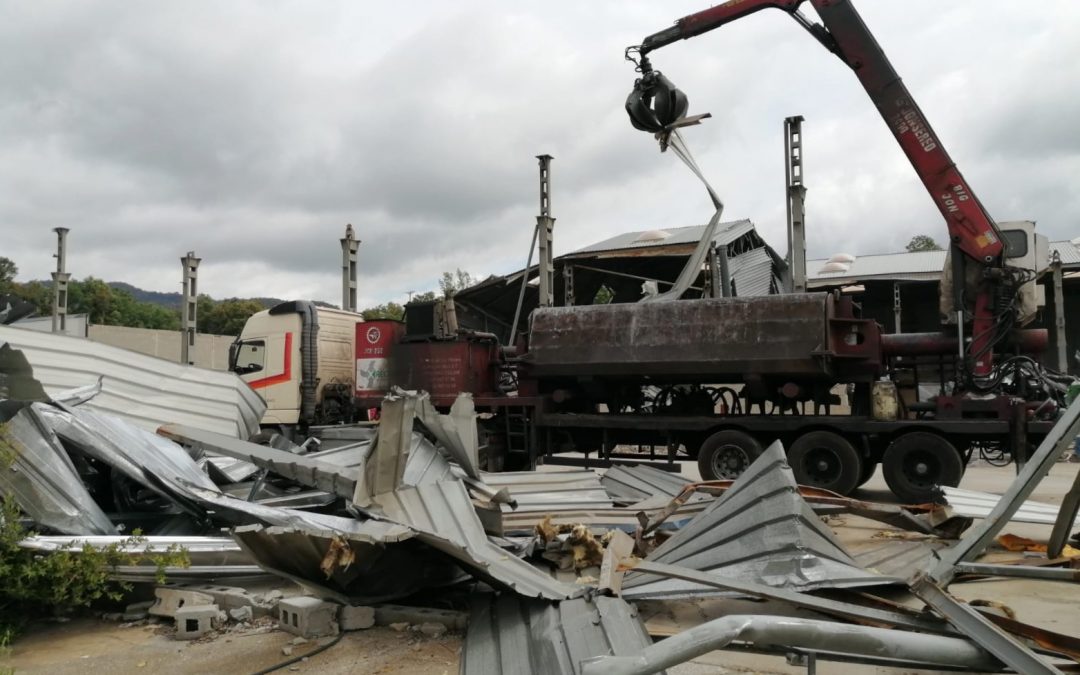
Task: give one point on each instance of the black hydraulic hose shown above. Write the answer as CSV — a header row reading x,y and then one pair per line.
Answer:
x,y
297,659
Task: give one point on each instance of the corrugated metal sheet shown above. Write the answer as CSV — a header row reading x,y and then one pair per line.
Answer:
x,y
1069,252
633,483
752,273
900,558
510,635
726,233
444,517
916,266
383,565
979,505
906,266
40,475
144,390
550,490
761,530
305,470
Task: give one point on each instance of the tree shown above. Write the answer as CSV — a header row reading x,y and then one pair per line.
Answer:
x,y
922,242
452,282
8,270
390,310
603,296
225,317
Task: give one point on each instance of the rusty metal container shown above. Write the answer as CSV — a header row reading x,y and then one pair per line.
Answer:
x,y
781,335
445,369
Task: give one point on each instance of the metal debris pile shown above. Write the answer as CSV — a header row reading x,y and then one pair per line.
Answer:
x,y
561,572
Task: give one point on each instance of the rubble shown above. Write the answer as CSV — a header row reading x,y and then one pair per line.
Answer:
x,y
549,560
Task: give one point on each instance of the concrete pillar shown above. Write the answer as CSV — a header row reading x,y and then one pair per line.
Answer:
x,y
796,200
545,225
189,307
896,306
60,282
349,246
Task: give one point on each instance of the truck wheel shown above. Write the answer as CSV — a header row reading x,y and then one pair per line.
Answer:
x,y
726,454
826,460
916,462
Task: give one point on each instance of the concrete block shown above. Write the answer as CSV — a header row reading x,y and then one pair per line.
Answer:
x,y
432,629
356,618
193,621
308,617
240,613
389,614
227,597
169,599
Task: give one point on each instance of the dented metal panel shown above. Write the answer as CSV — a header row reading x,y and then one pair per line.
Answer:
x,y
444,517
509,635
382,565
550,490
761,530
144,390
691,338
634,483
39,474
976,504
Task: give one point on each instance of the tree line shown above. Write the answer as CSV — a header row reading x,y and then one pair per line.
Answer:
x,y
108,306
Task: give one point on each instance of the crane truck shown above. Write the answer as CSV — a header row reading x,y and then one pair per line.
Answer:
x,y
723,377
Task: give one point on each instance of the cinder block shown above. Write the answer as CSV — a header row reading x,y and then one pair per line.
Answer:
x,y
169,600
227,597
356,618
308,617
194,621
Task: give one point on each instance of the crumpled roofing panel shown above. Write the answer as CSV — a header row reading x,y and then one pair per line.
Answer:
x,y
144,390
760,530
510,635
634,483
444,518
41,476
550,490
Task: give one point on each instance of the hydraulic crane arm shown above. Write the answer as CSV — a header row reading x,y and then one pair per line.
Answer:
x,y
655,104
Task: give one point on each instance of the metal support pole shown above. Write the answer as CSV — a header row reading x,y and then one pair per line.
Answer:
x,y
1062,363
896,307
60,282
189,307
349,245
545,224
568,285
796,201
725,273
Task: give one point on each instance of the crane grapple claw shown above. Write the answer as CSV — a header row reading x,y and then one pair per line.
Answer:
x,y
655,103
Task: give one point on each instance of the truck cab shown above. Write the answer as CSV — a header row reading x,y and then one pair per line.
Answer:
x,y
300,358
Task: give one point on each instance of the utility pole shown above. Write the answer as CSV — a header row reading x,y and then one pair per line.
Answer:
x,y
796,200
544,225
189,307
349,246
60,282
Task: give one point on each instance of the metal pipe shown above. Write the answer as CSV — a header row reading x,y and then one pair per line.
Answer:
x,y
1032,341
524,284
820,636
1021,571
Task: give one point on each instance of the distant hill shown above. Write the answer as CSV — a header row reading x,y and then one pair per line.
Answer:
x,y
173,300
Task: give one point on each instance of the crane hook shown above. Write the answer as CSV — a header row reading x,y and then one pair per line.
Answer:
x,y
655,103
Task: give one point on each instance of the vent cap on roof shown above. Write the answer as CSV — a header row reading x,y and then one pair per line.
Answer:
x,y
653,235
845,258
834,267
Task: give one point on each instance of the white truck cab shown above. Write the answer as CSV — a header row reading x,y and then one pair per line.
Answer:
x,y
301,359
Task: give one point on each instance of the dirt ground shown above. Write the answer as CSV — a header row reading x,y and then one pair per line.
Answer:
x,y
95,646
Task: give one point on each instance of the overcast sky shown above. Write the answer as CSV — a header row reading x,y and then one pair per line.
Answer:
x,y
252,132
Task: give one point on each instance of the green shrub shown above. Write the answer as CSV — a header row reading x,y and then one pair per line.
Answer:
x,y
33,583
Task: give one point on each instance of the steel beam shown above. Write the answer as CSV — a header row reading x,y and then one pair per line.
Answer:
x,y
979,537
60,282
349,245
980,629
545,225
796,201
189,307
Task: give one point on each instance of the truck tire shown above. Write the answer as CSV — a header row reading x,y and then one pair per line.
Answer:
x,y
726,454
826,460
916,462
